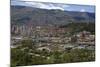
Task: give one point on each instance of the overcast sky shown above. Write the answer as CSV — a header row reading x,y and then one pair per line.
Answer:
x,y
57,5
84,2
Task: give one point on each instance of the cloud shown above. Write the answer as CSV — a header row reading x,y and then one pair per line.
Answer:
x,y
47,5
82,10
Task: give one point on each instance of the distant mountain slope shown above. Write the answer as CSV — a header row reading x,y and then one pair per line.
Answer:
x,y
36,16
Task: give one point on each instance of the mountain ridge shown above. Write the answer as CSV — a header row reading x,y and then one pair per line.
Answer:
x,y
24,14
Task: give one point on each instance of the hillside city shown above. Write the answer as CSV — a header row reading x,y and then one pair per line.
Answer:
x,y
48,36
51,36
50,39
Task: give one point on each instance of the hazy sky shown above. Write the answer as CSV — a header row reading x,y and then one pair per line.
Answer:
x,y
85,2
64,6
